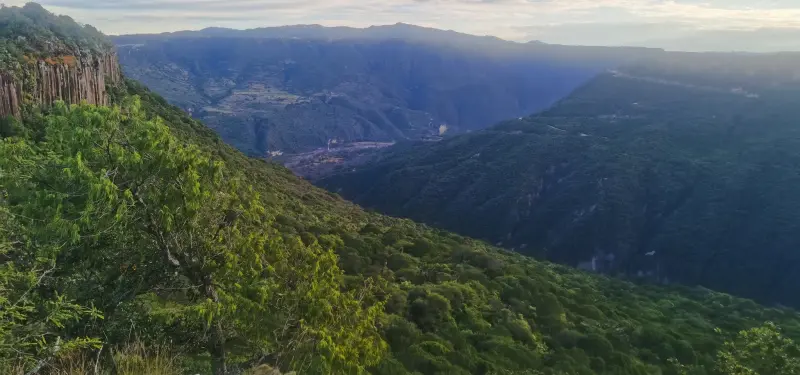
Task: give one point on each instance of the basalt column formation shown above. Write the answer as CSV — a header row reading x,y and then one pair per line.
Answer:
x,y
67,78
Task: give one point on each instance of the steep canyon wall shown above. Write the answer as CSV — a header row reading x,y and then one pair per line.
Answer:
x,y
64,78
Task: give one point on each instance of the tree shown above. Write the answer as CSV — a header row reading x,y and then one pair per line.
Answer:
x,y
31,323
140,212
760,351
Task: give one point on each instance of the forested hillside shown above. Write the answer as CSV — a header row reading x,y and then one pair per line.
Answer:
x,y
294,89
682,170
134,241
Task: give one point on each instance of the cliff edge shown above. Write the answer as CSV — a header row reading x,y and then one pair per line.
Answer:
x,y
67,78
45,58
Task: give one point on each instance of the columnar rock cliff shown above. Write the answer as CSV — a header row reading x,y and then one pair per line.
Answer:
x,y
61,78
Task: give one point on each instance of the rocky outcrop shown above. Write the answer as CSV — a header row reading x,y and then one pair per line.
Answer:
x,y
62,78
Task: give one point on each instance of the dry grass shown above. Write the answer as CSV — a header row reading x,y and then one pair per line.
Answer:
x,y
77,364
11,369
262,370
266,370
137,359
132,359
58,60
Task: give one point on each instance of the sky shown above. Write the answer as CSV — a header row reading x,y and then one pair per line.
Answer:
x,y
688,24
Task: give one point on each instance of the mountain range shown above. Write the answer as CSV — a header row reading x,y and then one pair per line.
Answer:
x,y
670,36
764,40
296,89
679,170
646,120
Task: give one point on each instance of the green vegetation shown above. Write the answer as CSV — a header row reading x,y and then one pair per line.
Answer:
x,y
33,32
152,231
151,225
761,350
29,320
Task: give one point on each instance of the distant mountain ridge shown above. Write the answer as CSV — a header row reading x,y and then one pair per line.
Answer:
x,y
295,88
763,40
314,31
411,34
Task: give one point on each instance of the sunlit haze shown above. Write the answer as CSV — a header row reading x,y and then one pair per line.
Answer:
x,y
763,25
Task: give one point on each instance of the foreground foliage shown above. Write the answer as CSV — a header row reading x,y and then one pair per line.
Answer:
x,y
761,350
30,322
156,234
165,240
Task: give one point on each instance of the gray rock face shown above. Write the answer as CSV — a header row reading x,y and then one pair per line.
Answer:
x,y
65,78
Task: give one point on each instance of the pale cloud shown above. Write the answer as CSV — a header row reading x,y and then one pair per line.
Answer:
x,y
573,21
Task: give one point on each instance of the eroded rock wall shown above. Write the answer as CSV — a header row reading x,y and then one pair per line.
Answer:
x,y
65,78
